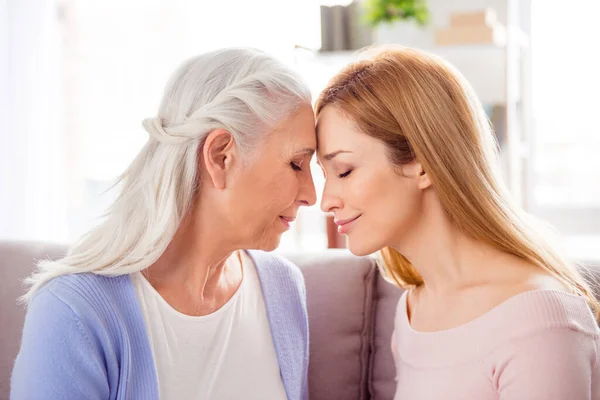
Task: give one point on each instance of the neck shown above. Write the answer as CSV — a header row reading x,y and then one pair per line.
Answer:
x,y
194,261
445,257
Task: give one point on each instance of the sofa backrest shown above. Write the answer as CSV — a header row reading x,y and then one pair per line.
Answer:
x,y
339,291
351,314
17,260
382,371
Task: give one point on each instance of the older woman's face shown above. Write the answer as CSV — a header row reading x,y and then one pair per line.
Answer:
x,y
277,183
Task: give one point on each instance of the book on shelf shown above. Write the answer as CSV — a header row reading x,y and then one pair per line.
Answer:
x,y
343,29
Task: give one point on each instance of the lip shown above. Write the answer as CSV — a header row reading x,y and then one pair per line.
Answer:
x,y
287,220
344,225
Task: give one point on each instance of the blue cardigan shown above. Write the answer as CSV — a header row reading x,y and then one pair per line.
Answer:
x,y
85,337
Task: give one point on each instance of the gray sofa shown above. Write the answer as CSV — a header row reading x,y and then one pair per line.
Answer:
x,y
350,309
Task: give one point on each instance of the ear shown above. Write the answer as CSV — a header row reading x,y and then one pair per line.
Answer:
x,y
415,170
218,154
424,181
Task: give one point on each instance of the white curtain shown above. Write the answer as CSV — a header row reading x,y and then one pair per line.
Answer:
x,y
32,162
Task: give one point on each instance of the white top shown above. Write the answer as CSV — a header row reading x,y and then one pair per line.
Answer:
x,y
228,354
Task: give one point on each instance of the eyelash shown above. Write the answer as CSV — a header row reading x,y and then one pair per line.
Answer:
x,y
296,167
345,174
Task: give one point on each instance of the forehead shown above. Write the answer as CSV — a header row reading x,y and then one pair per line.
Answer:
x,y
298,131
328,117
335,128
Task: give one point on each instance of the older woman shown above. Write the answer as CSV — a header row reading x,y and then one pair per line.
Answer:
x,y
162,300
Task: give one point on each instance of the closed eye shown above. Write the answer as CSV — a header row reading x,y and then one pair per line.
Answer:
x,y
345,174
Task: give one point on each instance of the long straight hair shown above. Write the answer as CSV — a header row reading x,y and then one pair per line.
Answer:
x,y
423,109
241,90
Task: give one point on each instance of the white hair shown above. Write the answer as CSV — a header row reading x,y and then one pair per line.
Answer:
x,y
241,90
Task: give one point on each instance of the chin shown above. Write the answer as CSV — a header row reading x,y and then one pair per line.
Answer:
x,y
269,244
361,247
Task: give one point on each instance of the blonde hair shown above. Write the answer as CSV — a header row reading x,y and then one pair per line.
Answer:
x,y
242,90
423,109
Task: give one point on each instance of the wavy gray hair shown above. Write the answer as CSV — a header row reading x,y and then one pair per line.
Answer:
x,y
241,90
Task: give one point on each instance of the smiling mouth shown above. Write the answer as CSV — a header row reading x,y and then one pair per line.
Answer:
x,y
287,220
346,224
346,221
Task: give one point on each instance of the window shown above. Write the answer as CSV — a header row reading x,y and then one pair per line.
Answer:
x,y
565,168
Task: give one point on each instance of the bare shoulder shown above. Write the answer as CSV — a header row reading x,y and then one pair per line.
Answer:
x,y
524,276
476,297
515,278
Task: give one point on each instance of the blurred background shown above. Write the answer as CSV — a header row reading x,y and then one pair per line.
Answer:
x,y
78,76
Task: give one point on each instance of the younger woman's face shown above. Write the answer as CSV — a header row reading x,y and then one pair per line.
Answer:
x,y
375,203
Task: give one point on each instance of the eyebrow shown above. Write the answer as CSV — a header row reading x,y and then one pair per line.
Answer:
x,y
330,156
308,151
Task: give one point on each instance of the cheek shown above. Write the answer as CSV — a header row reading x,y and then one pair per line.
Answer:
x,y
366,191
389,205
277,191
403,203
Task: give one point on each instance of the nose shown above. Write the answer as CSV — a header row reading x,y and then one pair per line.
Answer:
x,y
307,196
330,201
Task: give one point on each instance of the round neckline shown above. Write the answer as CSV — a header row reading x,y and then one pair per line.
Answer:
x,y
518,316
486,315
198,318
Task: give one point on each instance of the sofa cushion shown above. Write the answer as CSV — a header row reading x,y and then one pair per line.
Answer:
x,y
382,380
339,294
17,260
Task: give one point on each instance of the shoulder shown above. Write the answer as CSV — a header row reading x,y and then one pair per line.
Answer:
x,y
65,334
522,296
85,295
85,287
550,346
276,266
545,316
99,311
281,281
549,321
543,310
558,362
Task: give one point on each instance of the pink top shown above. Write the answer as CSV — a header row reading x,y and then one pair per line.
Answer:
x,y
538,345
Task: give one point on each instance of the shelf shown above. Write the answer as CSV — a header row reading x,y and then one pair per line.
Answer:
x,y
483,66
